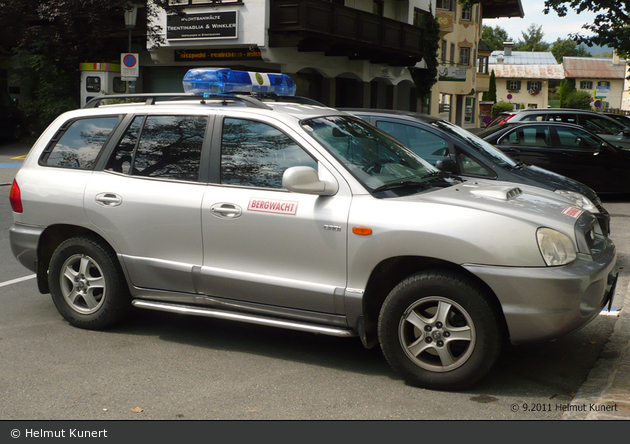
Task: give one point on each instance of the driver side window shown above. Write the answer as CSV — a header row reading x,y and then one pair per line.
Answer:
x,y
255,154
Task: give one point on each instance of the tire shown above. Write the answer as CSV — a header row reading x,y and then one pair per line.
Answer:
x,y
87,284
438,331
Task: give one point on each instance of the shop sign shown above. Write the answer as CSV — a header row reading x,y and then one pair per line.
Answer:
x,y
217,25
208,55
452,73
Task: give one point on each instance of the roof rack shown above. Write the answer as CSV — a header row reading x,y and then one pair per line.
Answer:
x,y
151,98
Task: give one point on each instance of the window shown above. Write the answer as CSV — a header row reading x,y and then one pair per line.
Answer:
x,y
444,4
452,59
603,83
444,51
422,142
464,56
528,136
421,17
577,139
469,110
483,65
586,84
80,143
256,154
602,125
467,14
565,117
93,84
533,86
201,2
119,86
377,7
514,85
471,167
168,147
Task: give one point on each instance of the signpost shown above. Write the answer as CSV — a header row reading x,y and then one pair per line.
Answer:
x,y
129,67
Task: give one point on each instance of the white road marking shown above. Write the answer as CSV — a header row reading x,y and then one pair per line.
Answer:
x,y
15,281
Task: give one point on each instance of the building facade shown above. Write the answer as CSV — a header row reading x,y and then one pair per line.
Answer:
x,y
604,79
524,78
343,53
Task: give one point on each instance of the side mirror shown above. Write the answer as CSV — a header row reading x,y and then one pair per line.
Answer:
x,y
447,165
305,180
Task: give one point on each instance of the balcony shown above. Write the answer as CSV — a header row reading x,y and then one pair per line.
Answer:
x,y
335,30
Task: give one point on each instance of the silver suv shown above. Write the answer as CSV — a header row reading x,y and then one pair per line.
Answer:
x,y
302,217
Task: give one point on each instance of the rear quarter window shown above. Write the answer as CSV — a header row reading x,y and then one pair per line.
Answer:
x,y
78,143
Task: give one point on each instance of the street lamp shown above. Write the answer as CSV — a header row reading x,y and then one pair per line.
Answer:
x,y
131,14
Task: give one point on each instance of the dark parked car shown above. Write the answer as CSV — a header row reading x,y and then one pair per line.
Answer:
x,y
10,120
622,118
565,149
458,151
607,128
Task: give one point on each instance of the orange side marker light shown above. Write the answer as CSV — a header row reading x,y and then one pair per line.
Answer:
x,y
362,231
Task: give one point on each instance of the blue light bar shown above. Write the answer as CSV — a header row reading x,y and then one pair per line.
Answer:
x,y
204,81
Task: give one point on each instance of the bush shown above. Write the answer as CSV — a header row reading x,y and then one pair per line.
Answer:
x,y
577,100
500,107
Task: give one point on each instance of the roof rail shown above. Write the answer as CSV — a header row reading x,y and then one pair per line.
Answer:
x,y
151,98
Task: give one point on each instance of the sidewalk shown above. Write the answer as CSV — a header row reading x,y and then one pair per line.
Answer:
x,y
606,393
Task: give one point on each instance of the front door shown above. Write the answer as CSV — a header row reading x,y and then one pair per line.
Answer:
x,y
262,243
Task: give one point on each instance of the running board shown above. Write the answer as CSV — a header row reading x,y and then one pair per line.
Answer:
x,y
251,319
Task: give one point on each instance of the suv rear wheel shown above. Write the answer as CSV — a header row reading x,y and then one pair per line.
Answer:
x,y
439,331
87,284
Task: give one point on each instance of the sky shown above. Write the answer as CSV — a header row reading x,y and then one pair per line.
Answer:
x,y
553,27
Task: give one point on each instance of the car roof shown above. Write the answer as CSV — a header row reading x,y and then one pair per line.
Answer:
x,y
177,103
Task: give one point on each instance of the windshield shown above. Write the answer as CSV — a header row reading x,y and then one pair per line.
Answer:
x,y
377,160
479,145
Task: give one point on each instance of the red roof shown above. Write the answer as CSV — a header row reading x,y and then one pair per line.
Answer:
x,y
593,68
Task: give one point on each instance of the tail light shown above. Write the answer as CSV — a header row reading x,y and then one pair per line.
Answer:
x,y
15,197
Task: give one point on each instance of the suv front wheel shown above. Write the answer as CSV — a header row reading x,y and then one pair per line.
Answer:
x,y
87,284
439,331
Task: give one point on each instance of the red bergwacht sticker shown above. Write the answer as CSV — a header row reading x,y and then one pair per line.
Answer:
x,y
573,212
272,206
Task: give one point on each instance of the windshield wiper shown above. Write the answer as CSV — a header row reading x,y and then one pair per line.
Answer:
x,y
400,184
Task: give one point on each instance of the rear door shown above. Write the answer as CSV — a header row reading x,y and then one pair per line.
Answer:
x,y
262,243
147,198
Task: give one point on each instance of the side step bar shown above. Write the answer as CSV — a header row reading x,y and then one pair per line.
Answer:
x,y
249,318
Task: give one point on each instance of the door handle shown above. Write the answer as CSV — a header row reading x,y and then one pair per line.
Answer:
x,y
226,210
108,199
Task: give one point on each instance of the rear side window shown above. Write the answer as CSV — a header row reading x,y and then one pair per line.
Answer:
x,y
78,144
167,147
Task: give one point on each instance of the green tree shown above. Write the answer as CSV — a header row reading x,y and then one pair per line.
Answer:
x,y
494,37
50,38
611,26
567,87
500,107
491,94
568,48
532,40
577,100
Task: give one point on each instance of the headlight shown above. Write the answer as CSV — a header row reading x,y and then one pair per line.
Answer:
x,y
555,247
580,200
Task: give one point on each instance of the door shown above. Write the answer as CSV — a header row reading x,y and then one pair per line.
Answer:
x,y
581,157
261,243
147,200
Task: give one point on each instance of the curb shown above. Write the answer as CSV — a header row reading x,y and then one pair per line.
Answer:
x,y
605,394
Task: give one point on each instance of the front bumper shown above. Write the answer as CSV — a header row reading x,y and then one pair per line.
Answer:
x,y
544,303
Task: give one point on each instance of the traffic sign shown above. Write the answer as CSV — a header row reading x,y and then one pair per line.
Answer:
x,y
129,66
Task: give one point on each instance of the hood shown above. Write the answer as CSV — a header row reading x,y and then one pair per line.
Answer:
x,y
555,181
524,202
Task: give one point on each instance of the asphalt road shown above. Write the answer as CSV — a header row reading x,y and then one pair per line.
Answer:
x,y
171,367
